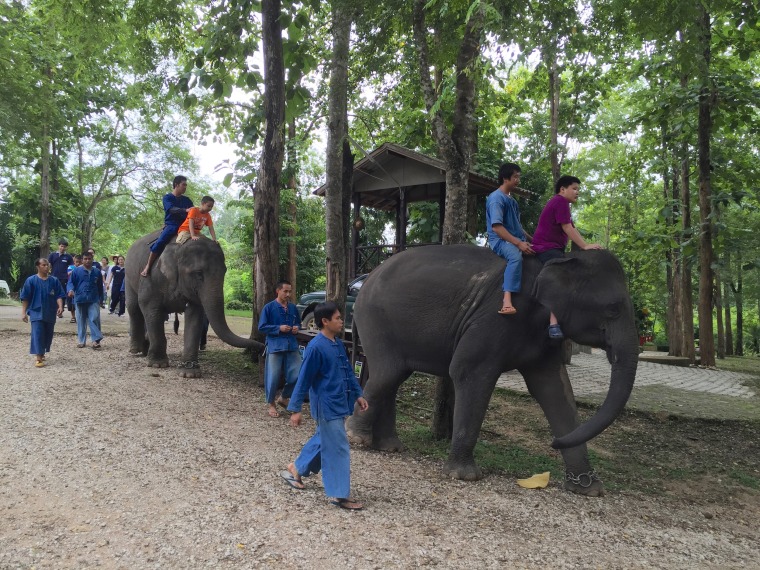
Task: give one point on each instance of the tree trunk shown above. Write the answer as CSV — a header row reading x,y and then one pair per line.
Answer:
x,y
336,215
266,211
45,194
704,129
739,351
727,308
455,148
687,305
551,64
719,314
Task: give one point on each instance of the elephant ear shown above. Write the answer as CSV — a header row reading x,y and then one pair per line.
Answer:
x,y
555,285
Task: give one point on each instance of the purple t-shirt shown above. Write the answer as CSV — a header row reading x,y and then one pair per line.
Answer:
x,y
549,233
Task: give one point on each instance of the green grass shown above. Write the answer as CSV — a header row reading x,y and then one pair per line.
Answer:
x,y
643,452
743,364
238,313
9,303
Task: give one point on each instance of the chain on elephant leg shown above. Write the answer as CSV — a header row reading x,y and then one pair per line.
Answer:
x,y
587,483
189,369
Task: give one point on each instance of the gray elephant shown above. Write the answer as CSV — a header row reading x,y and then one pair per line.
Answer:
x,y
186,278
434,309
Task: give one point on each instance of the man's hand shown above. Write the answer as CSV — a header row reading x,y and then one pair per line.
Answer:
x,y
285,328
59,312
25,318
294,330
194,238
71,293
593,246
525,247
363,405
295,419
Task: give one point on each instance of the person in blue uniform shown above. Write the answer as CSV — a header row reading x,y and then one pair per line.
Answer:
x,y
41,302
59,266
176,207
86,288
280,322
333,389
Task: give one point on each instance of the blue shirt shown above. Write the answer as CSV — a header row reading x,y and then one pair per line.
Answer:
x,y
502,209
175,209
41,295
87,285
271,318
59,264
327,377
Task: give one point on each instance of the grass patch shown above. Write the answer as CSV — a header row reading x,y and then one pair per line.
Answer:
x,y
9,303
652,453
238,313
743,364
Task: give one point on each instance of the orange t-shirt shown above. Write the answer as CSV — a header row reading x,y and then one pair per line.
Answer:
x,y
199,218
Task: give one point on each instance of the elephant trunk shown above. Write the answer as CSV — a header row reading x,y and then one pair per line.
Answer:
x,y
624,358
213,304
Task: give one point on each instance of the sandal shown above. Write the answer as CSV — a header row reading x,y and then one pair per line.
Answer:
x,y
348,504
73,321
508,310
273,413
96,345
39,364
81,345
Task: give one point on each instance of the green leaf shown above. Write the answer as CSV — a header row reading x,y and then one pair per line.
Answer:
x,y
227,179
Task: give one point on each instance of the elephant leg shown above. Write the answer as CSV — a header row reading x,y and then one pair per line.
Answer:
x,y
549,384
474,382
155,317
377,426
138,343
193,322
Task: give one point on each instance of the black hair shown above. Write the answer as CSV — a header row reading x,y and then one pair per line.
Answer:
x,y
565,181
63,241
206,199
324,310
87,254
40,260
282,282
507,170
78,256
178,180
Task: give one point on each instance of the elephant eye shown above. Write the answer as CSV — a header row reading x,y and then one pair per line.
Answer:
x,y
612,311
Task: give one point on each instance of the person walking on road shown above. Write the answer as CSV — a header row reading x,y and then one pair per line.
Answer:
x,y
41,302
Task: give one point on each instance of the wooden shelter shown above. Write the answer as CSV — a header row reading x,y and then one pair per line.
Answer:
x,y
389,178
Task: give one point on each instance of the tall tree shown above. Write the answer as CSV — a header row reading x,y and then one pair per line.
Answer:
x,y
266,244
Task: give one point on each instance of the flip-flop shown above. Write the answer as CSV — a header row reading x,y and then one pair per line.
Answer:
x,y
39,364
507,311
348,504
282,403
273,413
294,482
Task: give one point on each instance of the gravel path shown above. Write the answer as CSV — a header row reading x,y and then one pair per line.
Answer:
x,y
105,463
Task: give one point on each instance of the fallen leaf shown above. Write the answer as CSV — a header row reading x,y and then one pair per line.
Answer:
x,y
538,481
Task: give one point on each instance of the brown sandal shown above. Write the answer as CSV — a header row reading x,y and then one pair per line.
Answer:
x,y
507,310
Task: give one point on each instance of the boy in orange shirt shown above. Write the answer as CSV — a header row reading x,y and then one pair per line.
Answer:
x,y
196,219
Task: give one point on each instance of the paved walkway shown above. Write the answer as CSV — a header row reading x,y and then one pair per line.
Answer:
x,y
590,374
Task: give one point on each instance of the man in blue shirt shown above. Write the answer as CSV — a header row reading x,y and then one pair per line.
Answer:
x,y
506,236
59,264
176,206
280,322
327,377
86,287
41,301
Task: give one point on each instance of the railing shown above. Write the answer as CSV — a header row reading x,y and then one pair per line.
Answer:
x,y
370,256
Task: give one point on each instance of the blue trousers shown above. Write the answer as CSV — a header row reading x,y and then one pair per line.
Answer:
x,y
88,314
166,236
513,270
329,451
288,362
42,337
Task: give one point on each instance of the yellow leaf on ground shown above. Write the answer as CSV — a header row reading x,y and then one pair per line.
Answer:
x,y
538,481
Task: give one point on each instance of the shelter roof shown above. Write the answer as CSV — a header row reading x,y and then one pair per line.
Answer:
x,y
380,176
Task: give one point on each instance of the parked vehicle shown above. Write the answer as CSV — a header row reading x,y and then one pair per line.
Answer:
x,y
5,291
309,301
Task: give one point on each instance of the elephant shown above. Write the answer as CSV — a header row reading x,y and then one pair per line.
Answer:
x,y
433,309
186,278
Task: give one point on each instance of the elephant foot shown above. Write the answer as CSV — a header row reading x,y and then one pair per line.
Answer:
x,y
137,352
158,363
465,471
190,373
390,443
587,484
359,437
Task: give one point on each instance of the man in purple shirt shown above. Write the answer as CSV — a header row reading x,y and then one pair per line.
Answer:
x,y
555,226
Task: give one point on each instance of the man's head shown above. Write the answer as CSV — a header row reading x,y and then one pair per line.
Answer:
x,y
91,252
62,245
42,265
179,184
207,202
567,187
510,173
328,317
77,260
284,290
87,260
